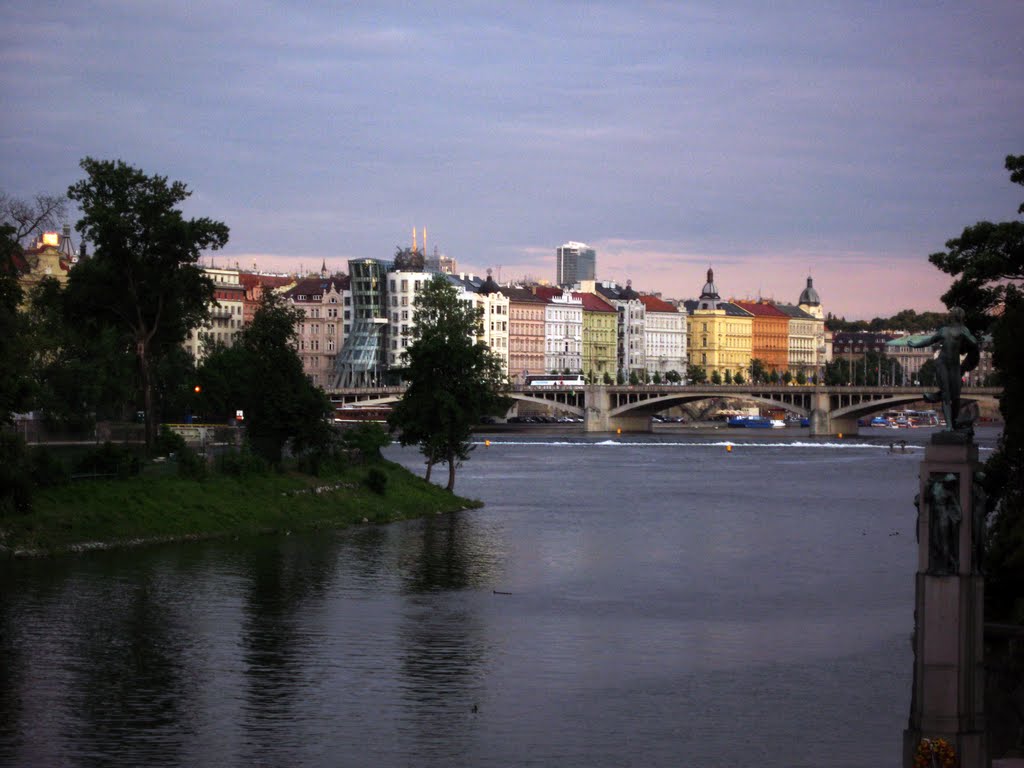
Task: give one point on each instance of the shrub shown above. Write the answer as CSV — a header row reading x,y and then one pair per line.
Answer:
x,y
169,441
190,464
240,463
376,480
110,459
15,479
46,469
366,440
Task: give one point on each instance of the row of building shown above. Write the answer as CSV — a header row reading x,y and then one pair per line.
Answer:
x,y
355,326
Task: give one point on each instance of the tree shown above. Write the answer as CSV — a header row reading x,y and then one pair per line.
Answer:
x,y
453,380
738,378
27,218
143,277
80,372
696,374
716,377
673,376
758,371
728,377
801,378
987,262
261,374
15,386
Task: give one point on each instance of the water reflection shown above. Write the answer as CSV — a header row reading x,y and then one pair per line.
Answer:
x,y
288,579
443,648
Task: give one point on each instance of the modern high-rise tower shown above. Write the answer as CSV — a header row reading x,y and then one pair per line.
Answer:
x,y
574,262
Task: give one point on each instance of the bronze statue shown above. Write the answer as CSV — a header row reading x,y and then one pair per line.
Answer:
x,y
944,520
955,339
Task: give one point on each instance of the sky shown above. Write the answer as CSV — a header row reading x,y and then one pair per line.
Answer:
x,y
843,139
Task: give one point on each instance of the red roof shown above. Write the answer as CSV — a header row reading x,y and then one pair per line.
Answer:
x,y
546,292
594,303
654,304
251,280
761,308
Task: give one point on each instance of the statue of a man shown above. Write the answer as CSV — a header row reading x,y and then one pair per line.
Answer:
x,y
944,525
955,339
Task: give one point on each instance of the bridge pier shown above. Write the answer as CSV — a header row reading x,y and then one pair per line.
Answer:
x,y
598,416
823,423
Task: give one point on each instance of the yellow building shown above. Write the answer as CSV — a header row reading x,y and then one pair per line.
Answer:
x,y
720,334
51,256
600,325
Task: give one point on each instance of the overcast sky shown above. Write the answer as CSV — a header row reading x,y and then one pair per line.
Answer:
x,y
768,140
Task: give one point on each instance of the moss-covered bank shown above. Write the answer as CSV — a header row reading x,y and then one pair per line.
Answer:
x,y
151,508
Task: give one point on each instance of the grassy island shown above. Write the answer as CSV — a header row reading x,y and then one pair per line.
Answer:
x,y
157,506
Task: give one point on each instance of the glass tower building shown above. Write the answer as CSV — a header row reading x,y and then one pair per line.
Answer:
x,y
574,262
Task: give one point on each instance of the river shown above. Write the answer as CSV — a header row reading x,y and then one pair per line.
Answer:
x,y
652,601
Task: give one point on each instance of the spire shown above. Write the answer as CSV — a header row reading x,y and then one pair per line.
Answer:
x,y
414,248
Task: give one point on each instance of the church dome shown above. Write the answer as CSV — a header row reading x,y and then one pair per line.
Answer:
x,y
809,296
627,293
489,286
709,291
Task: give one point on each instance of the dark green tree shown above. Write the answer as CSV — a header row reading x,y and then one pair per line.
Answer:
x,y
987,262
261,374
15,385
716,377
673,376
696,374
144,277
453,380
758,371
728,377
738,378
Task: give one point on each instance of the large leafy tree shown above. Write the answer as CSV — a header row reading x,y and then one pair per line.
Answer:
x,y
261,374
453,380
144,277
15,388
79,372
987,261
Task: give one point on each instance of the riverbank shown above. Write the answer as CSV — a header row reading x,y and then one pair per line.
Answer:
x,y
101,514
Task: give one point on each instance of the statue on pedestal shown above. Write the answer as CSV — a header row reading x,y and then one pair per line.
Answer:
x,y
955,340
943,497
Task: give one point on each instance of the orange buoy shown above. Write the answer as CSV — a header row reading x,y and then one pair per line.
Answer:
x,y
728,449
487,443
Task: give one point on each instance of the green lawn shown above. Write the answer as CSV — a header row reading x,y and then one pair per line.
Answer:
x,y
158,505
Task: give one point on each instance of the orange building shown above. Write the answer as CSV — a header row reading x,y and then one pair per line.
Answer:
x,y
770,342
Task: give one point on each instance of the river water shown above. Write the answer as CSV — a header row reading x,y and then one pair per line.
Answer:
x,y
650,601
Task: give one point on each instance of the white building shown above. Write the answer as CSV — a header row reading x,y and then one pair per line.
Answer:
x,y
403,290
563,333
226,314
664,337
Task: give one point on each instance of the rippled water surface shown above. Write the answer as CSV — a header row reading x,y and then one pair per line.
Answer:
x,y
653,602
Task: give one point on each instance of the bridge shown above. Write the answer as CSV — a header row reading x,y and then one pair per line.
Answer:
x,y
829,410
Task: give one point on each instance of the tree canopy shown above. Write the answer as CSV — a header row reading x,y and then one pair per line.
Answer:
x,y
143,277
261,374
453,379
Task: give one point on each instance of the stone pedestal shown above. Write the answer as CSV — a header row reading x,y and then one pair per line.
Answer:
x,y
948,696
